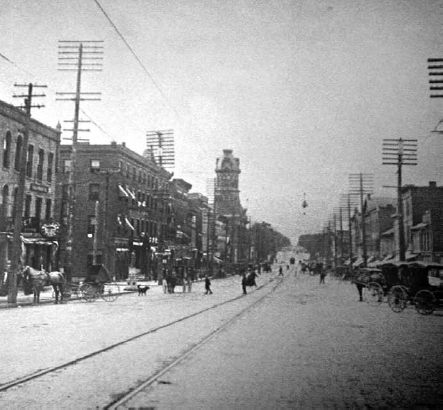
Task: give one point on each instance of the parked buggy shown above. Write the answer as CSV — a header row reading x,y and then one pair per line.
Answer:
x,y
420,284
98,283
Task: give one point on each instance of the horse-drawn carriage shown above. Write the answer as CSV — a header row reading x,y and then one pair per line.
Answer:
x,y
414,287
98,283
402,283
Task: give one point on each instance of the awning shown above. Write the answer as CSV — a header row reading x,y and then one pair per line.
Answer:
x,y
410,256
421,225
181,234
387,258
122,250
122,192
374,263
129,224
217,259
131,194
358,263
38,241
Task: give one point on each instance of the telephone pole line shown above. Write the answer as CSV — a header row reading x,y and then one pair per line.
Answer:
x,y
347,201
78,56
362,184
400,152
18,203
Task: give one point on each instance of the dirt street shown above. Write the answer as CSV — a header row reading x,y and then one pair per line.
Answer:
x,y
311,346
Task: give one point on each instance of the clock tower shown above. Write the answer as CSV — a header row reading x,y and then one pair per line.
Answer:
x,y
227,207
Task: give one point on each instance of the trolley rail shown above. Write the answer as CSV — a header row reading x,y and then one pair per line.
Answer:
x,y
125,397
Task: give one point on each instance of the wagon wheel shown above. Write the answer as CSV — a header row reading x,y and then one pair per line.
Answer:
x,y
425,302
68,291
110,291
397,298
89,293
374,293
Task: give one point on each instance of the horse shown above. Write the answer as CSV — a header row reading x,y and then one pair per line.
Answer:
x,y
37,280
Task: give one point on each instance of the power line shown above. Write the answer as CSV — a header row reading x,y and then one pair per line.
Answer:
x,y
138,59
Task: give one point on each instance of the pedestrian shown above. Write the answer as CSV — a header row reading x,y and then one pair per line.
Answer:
x,y
189,283
280,271
165,285
244,282
184,284
322,275
207,285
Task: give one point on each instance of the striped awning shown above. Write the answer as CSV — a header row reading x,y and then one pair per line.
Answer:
x,y
129,225
122,192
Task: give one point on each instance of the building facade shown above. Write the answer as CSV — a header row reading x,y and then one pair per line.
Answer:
x,y
230,215
39,232
114,209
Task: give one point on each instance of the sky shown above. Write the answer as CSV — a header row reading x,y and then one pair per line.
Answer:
x,y
303,92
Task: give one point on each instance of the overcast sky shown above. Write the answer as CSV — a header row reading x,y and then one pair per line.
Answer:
x,y
303,91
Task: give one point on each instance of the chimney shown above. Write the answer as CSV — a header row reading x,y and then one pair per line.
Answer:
x,y
123,144
432,184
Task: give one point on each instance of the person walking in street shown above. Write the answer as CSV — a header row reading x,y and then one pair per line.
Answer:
x,y
207,285
322,274
165,285
244,282
280,271
189,284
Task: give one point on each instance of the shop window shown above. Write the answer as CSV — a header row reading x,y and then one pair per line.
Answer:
x,y
92,222
7,150
94,192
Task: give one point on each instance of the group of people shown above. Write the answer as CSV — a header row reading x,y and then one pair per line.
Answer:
x,y
169,283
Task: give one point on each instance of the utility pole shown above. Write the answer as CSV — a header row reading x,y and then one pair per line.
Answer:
x,y
347,201
18,203
400,152
362,184
161,144
435,68
77,56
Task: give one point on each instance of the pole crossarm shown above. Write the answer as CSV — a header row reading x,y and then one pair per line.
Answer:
x,y
435,68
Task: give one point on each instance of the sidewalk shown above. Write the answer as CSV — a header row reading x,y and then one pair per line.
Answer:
x,y
46,295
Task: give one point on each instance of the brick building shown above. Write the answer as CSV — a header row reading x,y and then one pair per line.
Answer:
x,y
118,213
423,221
39,230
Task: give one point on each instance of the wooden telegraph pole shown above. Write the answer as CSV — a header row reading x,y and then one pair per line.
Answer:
x,y
18,203
77,56
362,184
400,152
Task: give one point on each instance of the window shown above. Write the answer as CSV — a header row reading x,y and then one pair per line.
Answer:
x,y
29,160
41,160
7,150
5,201
50,164
48,209
134,173
94,192
67,165
38,207
18,151
92,222
28,201
95,164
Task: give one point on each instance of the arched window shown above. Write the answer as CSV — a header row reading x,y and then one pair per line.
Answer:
x,y
18,150
7,150
41,160
29,160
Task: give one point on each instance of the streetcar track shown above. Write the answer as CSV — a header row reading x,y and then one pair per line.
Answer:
x,y
38,374
152,379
